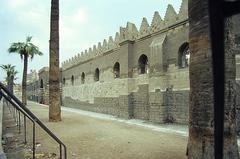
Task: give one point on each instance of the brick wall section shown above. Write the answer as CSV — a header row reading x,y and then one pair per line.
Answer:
x,y
125,106
169,106
107,105
78,104
176,106
101,105
114,106
157,107
139,101
156,112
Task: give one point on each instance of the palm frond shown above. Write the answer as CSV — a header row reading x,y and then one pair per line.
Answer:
x,y
28,39
33,50
10,71
17,48
26,49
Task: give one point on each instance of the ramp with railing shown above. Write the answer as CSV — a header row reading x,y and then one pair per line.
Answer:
x,y
21,110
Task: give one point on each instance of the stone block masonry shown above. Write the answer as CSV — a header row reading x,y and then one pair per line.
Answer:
x,y
158,107
127,76
140,73
140,103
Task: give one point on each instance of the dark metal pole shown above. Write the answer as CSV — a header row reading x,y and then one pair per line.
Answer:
x,y
60,146
14,116
25,130
65,152
217,41
34,149
19,122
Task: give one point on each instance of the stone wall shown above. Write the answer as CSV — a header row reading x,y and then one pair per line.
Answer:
x,y
134,94
43,75
140,103
88,92
159,107
160,94
176,106
157,111
33,91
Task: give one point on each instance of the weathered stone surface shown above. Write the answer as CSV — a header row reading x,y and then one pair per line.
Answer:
x,y
134,95
201,110
130,32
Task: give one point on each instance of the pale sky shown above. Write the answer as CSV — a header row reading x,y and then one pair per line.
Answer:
x,y
83,23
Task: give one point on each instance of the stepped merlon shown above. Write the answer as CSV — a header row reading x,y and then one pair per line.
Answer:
x,y
130,32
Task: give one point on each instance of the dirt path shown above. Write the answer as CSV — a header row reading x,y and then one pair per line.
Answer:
x,y
91,138
12,140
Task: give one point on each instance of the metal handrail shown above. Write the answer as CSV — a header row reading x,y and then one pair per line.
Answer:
x,y
27,113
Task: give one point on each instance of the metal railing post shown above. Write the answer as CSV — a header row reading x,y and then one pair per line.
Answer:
x,y
34,142
19,122
14,115
60,146
25,130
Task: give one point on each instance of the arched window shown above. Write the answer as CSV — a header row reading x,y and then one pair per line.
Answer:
x,y
41,83
183,56
96,75
83,78
64,81
72,80
143,64
116,70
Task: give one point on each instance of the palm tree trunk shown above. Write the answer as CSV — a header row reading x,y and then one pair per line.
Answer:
x,y
24,80
230,133
8,82
11,83
54,72
201,111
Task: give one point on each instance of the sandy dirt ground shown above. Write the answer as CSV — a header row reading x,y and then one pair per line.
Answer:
x,y
12,140
92,138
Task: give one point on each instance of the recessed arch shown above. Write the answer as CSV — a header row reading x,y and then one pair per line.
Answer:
x,y
64,81
83,78
183,55
143,64
72,80
116,70
41,83
97,74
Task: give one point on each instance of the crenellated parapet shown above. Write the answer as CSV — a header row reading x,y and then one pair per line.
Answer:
x,y
144,28
130,32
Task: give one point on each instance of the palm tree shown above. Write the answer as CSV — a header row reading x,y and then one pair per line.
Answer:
x,y
25,50
201,111
11,75
54,71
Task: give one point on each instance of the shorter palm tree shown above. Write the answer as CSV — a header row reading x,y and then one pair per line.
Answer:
x,y
25,50
11,75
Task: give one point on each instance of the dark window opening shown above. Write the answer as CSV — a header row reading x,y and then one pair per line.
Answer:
x,y
64,81
143,64
96,76
72,80
41,83
184,56
83,78
116,70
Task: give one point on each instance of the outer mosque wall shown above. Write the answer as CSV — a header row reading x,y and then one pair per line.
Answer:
x,y
159,95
